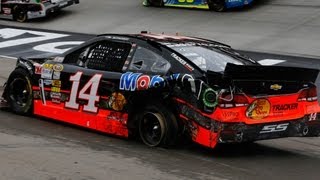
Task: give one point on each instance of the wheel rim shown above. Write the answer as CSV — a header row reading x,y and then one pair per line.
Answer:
x,y
152,129
21,16
19,92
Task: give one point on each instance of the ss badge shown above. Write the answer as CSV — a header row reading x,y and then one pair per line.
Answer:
x,y
274,128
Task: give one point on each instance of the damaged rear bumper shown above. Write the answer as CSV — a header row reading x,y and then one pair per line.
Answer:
x,y
240,132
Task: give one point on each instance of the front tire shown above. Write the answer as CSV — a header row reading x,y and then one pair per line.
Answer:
x,y
157,126
217,5
19,92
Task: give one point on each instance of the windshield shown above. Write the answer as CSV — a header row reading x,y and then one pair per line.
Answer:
x,y
207,58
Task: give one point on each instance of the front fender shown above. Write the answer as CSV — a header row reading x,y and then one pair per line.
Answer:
x,y
25,64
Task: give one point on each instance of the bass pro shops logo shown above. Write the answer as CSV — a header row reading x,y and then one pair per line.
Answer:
x,y
259,109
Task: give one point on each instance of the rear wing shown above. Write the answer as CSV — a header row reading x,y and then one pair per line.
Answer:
x,y
269,73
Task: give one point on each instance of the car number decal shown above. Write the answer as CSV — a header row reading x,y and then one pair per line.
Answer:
x,y
91,86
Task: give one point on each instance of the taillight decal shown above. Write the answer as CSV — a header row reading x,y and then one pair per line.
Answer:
x,y
233,100
309,94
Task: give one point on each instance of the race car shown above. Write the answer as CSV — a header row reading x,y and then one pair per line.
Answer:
x,y
23,10
164,89
216,5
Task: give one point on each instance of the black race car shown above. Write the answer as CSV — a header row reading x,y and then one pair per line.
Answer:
x,y
161,87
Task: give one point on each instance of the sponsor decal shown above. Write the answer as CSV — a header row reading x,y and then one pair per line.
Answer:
x,y
259,109
230,115
58,59
276,87
274,128
37,68
56,83
46,73
47,66
58,67
193,128
57,101
64,97
47,82
56,75
6,11
55,89
118,116
36,95
285,107
172,45
183,62
117,101
55,95
117,38
136,81
26,64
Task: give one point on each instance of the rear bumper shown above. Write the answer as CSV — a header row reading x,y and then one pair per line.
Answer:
x,y
240,132
49,8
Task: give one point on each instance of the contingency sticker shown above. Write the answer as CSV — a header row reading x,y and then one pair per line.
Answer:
x,y
46,73
56,75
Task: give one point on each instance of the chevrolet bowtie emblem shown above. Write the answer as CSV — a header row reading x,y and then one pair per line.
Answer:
x,y
276,87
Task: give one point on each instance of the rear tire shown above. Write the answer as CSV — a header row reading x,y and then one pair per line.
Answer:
x,y
217,5
157,126
19,92
19,14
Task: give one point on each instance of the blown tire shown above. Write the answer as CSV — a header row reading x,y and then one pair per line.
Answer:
x,y
19,92
157,126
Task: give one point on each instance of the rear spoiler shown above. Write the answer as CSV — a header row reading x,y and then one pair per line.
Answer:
x,y
269,73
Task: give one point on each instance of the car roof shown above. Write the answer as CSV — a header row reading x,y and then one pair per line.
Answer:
x,y
166,39
170,41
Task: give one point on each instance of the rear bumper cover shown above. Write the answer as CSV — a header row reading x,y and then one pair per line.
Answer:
x,y
240,132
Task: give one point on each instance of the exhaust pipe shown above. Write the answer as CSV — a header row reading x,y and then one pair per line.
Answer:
x,y
239,137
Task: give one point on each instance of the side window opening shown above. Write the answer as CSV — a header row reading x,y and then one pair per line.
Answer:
x,y
77,57
105,56
148,61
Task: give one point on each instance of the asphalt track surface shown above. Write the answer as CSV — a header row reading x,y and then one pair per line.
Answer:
x,y
37,148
